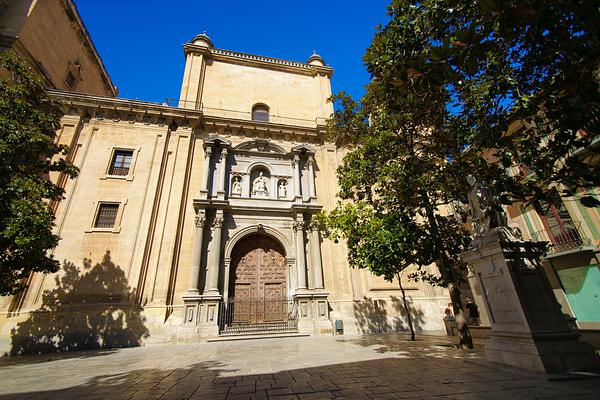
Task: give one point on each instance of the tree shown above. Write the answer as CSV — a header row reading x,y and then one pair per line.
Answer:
x,y
518,79
398,187
29,119
467,88
383,243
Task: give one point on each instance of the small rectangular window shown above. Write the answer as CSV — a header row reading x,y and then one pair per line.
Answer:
x,y
121,162
107,215
71,80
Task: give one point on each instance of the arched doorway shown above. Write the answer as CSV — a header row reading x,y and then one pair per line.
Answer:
x,y
257,282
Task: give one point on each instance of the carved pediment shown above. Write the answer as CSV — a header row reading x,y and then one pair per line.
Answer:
x,y
303,148
217,140
260,145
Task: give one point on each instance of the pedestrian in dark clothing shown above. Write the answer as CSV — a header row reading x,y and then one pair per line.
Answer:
x,y
464,336
474,318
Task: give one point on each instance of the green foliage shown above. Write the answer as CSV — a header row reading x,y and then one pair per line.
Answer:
x,y
29,119
463,88
485,65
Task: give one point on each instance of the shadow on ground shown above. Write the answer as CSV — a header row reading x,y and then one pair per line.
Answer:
x,y
372,316
383,378
424,346
201,380
90,308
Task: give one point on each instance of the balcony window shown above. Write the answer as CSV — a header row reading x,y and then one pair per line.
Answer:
x,y
260,112
561,230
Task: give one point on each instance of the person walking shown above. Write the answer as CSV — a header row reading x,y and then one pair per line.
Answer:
x,y
464,336
474,318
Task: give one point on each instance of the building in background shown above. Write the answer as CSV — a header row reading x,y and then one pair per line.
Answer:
x,y
50,35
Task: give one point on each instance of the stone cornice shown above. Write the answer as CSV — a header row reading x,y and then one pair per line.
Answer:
x,y
253,60
117,109
102,107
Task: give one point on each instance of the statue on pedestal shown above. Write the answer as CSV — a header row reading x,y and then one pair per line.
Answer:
x,y
485,217
236,186
260,186
282,190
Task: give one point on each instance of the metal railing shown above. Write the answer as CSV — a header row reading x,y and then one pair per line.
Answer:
x,y
245,115
563,237
281,314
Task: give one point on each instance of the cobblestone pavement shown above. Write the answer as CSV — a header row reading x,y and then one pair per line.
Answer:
x,y
359,367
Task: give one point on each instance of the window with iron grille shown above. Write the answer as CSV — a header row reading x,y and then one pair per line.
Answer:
x,y
107,215
121,162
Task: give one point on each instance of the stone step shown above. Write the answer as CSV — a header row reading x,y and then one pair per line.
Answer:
x,y
259,328
256,336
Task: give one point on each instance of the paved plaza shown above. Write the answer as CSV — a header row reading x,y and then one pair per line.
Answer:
x,y
350,367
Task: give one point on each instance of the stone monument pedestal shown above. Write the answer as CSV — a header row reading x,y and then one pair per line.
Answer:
x,y
528,327
313,312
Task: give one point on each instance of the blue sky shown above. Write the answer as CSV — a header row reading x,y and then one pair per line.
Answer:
x,y
141,41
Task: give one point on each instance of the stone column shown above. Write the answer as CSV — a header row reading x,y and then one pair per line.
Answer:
x,y
197,257
311,177
212,269
296,165
317,265
222,174
300,254
205,170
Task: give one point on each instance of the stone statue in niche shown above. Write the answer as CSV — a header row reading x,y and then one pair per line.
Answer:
x,y
236,185
282,189
260,186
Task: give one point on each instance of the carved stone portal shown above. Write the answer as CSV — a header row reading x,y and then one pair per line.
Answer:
x,y
258,280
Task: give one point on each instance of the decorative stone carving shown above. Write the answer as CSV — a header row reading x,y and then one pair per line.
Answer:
x,y
298,226
217,223
199,221
223,153
260,186
282,189
236,185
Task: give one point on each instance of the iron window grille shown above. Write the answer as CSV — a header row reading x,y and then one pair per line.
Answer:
x,y
107,215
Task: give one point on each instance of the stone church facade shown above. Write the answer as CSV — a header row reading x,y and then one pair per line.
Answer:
x,y
194,221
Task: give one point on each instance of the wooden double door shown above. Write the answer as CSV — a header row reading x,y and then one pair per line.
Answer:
x,y
257,289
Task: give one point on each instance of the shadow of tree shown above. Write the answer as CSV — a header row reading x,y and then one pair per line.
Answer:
x,y
201,380
94,309
423,347
372,316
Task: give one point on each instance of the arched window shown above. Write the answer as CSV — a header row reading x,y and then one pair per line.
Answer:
x,y
260,112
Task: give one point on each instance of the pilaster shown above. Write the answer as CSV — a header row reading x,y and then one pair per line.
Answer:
x,y
205,172
296,165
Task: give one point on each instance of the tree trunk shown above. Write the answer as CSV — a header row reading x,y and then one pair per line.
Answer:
x,y
455,297
410,324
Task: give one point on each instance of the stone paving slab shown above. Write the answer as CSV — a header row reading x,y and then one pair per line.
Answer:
x,y
357,367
